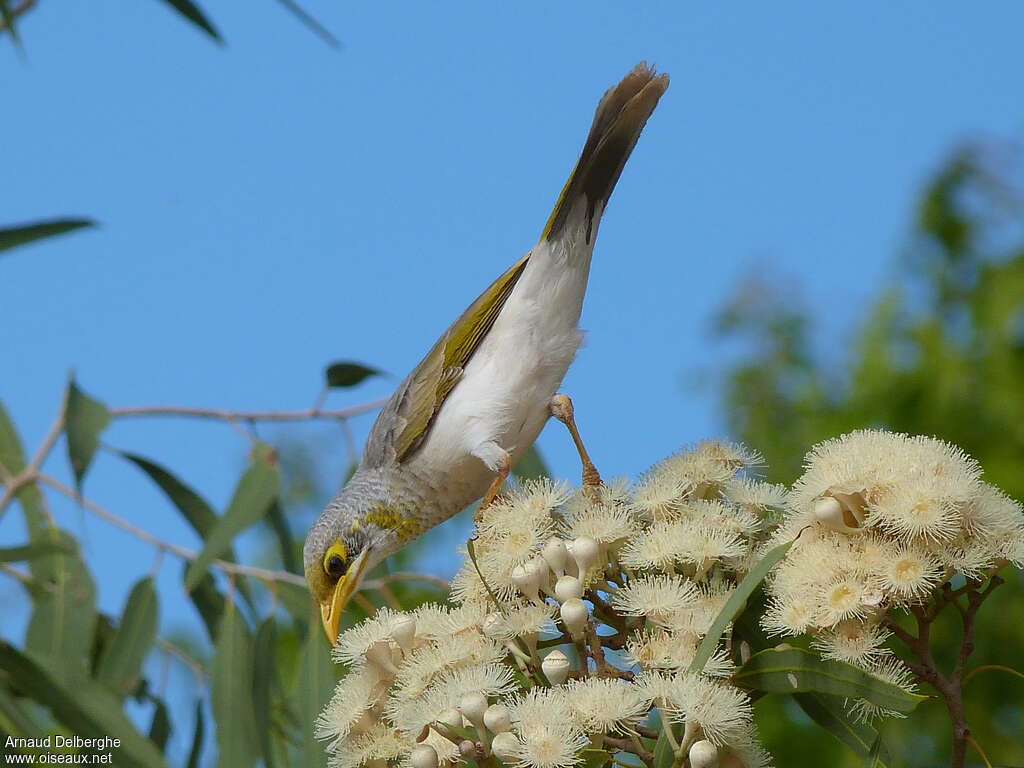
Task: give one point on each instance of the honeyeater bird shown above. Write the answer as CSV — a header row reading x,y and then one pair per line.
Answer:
x,y
454,427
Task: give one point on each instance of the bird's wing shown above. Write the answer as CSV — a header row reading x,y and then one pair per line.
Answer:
x,y
406,418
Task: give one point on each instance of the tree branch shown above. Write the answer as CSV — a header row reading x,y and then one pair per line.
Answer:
x,y
218,414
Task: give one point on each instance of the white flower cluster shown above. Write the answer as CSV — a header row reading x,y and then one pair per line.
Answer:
x,y
881,521
578,619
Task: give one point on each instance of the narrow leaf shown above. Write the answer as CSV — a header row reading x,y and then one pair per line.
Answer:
x,y
63,608
254,495
197,737
530,465
191,11
735,604
664,757
208,601
192,506
829,713
84,421
793,670
295,599
595,758
120,665
84,707
30,551
311,691
160,726
12,459
874,758
22,234
348,373
285,540
264,685
231,691
15,718
314,26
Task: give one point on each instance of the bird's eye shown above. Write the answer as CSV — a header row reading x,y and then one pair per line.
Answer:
x,y
335,567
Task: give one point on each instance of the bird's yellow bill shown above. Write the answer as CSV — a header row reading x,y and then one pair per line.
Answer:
x,y
331,610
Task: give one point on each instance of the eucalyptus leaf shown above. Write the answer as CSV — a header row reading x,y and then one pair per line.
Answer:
x,y
231,691
285,540
735,604
193,507
787,670
84,707
160,726
16,718
255,493
12,237
208,601
31,551
198,734
264,686
348,373
311,691
194,14
63,607
120,666
874,758
595,758
84,420
830,713
12,459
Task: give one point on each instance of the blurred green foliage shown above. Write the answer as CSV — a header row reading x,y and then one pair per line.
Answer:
x,y
939,352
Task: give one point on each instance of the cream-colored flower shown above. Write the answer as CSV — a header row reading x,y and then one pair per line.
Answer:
x,y
607,524
911,573
351,707
855,642
602,705
353,643
411,716
380,743
421,668
722,711
658,598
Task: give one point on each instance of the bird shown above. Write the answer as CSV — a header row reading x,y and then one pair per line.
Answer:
x,y
454,427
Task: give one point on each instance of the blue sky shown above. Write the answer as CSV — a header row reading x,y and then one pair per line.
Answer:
x,y
274,204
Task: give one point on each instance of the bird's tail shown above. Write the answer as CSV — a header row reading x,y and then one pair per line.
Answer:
x,y
618,121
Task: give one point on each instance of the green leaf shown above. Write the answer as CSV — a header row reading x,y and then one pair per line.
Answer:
x,y
8,19
311,691
191,11
12,459
254,495
829,713
30,551
208,601
312,24
285,541
84,707
664,757
595,758
530,465
264,685
231,691
295,599
23,234
120,665
160,726
785,669
197,737
15,718
874,758
193,508
348,373
84,420
735,604
64,608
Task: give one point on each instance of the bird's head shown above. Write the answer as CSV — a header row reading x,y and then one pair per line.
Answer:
x,y
337,552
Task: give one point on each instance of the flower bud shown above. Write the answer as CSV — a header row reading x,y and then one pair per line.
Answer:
x,y
403,632
555,554
497,718
574,615
556,667
473,706
467,749
526,577
829,513
505,747
703,754
423,756
379,654
451,718
585,552
568,587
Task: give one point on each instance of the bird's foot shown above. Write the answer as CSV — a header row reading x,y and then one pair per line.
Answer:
x,y
503,470
561,409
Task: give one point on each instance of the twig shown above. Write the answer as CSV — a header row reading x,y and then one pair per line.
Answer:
x,y
31,470
262,574
194,666
14,573
218,414
634,747
390,578
977,748
987,667
16,11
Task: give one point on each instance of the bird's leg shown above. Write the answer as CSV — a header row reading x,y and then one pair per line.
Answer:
x,y
503,470
561,409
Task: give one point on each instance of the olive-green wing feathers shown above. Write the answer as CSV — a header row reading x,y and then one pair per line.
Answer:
x,y
405,420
